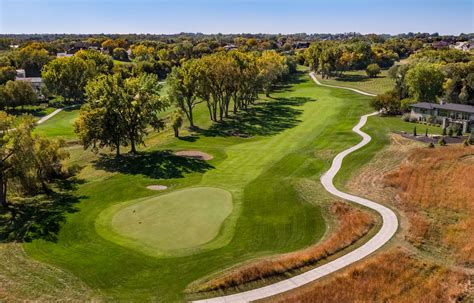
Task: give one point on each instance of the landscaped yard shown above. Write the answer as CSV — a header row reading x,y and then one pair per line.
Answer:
x,y
272,175
360,80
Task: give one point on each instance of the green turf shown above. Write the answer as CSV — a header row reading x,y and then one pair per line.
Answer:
x,y
273,177
59,126
168,223
359,80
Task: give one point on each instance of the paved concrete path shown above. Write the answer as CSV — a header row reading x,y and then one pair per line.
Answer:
x,y
388,229
313,76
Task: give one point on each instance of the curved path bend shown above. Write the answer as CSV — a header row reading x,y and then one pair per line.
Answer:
x,y
386,232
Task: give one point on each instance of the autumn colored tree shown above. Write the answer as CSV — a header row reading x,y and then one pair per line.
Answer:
x,y
68,77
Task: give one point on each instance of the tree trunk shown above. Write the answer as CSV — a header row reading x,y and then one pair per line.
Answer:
x,y
176,132
3,191
134,148
190,116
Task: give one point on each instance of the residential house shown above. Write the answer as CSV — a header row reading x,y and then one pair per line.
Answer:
x,y
230,47
446,113
35,82
62,55
301,44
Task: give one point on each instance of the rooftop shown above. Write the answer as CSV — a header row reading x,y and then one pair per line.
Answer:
x,y
447,106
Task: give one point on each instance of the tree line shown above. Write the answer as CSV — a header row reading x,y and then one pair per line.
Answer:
x,y
332,58
225,81
121,108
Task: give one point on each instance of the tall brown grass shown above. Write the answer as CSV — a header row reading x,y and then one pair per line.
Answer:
x,y
352,225
436,190
394,276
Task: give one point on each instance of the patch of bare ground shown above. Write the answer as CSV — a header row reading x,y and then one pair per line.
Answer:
x,y
352,225
431,259
195,154
23,279
157,187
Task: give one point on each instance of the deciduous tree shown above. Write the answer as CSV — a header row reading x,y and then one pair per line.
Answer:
x,y
425,82
68,77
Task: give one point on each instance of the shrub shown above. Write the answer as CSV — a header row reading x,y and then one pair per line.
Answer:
x,y
442,142
413,119
406,117
450,131
466,142
444,132
471,138
431,145
388,102
459,132
373,70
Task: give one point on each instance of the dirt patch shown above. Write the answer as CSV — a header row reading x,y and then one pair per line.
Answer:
x,y
195,154
157,187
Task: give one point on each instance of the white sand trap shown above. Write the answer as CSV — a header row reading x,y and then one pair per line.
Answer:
x,y
157,187
195,154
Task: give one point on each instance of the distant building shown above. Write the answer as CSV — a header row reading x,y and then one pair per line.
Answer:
x,y
229,47
464,45
440,44
35,82
62,55
301,44
447,113
20,73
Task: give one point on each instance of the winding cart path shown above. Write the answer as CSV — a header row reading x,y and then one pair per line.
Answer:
x,y
386,232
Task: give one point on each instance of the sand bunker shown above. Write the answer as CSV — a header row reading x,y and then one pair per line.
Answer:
x,y
195,154
157,187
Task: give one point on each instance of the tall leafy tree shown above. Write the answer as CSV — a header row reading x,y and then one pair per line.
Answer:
x,y
32,58
68,77
119,112
272,66
425,82
103,63
183,87
28,161
19,93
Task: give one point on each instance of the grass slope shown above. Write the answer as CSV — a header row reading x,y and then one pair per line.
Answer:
x,y
59,126
273,178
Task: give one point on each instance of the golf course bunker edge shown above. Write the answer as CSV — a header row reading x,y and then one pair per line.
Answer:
x,y
180,220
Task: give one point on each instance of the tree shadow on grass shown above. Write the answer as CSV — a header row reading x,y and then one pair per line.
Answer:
x,y
155,164
38,217
265,118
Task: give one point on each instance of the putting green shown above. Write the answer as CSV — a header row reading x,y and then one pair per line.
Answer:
x,y
179,220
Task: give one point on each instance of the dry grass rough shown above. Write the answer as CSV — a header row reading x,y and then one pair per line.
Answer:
x,y
436,191
394,276
353,224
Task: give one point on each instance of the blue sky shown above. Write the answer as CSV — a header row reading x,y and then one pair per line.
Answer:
x,y
236,16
